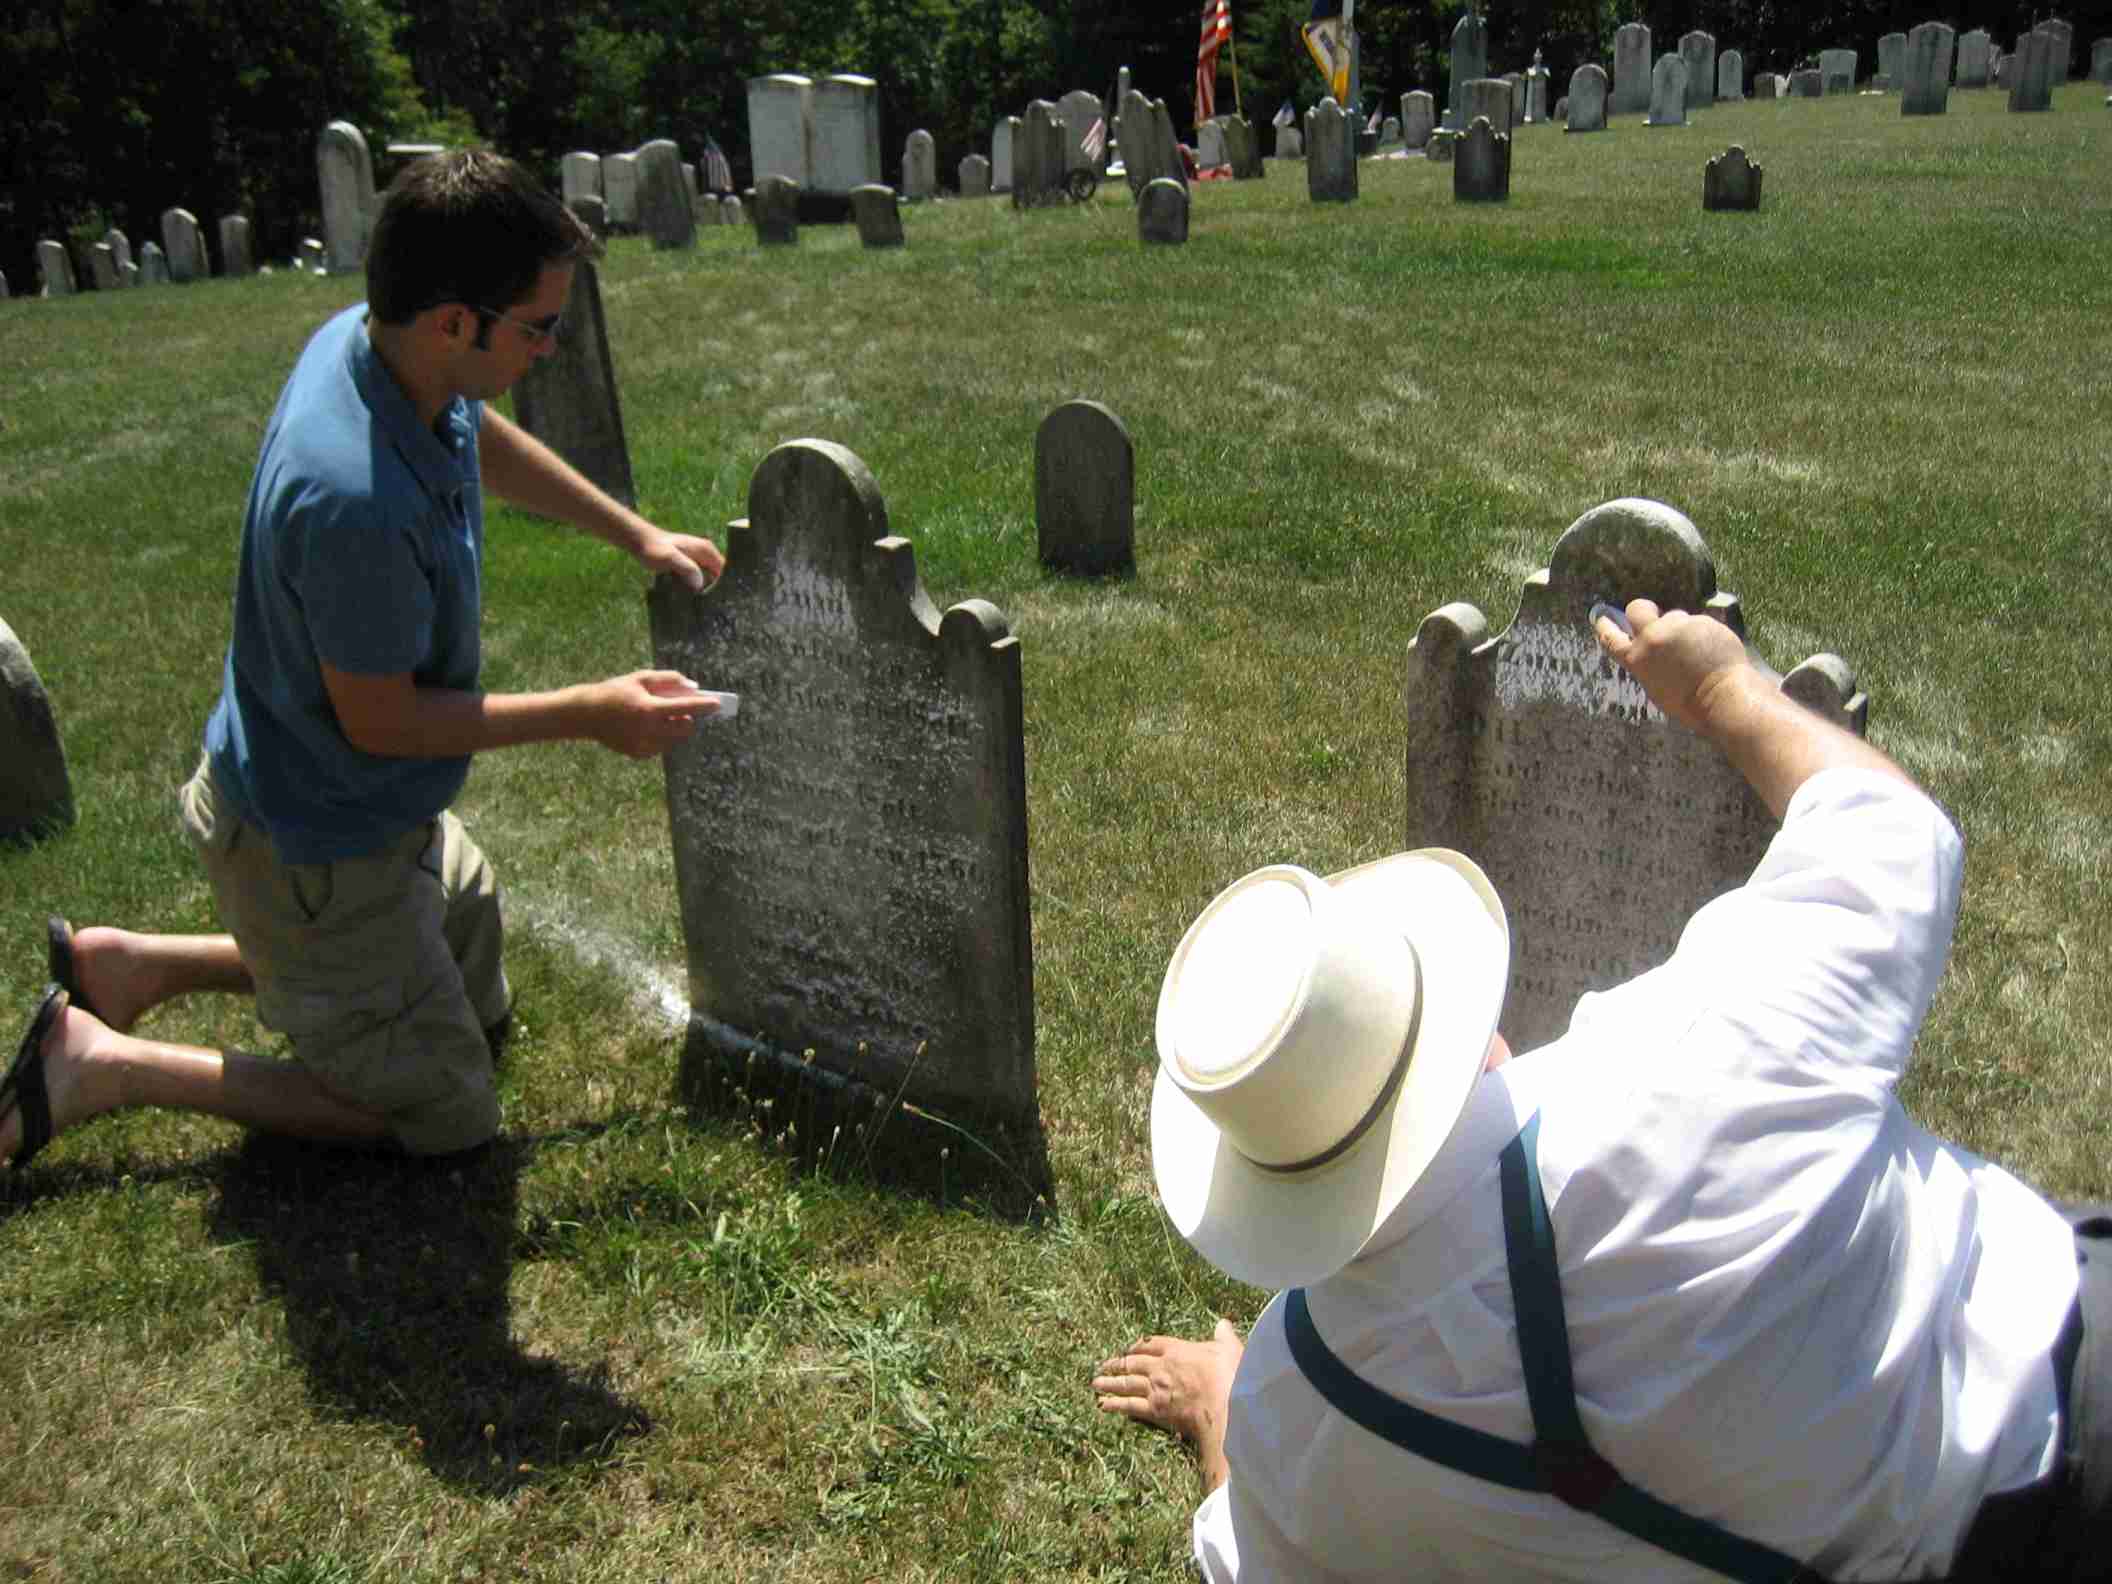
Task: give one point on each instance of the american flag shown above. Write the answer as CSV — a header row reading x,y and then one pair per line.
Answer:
x,y
718,174
1095,140
1217,27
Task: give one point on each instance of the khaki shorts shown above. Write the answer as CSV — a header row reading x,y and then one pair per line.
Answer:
x,y
382,972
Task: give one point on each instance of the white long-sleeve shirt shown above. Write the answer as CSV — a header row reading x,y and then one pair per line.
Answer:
x,y
1791,1310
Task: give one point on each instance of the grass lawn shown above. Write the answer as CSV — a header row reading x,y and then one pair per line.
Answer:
x,y
636,1342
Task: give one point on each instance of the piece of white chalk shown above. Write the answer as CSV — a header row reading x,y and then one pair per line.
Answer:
x,y
729,705
1613,614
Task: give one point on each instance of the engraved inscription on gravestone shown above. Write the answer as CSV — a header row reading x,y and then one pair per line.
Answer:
x,y
1603,824
36,793
568,400
851,851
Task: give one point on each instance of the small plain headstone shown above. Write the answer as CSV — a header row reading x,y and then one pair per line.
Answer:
x,y
345,172
2101,62
1587,98
1698,50
1418,119
1037,157
128,275
850,852
1730,181
183,244
780,131
619,190
1470,60
1925,70
1764,85
1516,83
1631,69
1290,143
55,267
153,265
1891,65
36,792
1490,99
1975,61
777,211
1807,84
1668,92
1440,146
3,286
1390,132
1243,148
102,267
1602,824
878,215
1004,137
1730,75
1331,164
578,174
733,212
569,401
975,176
1837,69
1085,483
1210,146
120,249
666,211
1162,211
236,260
920,167
2031,75
846,143
1481,164
593,212
1562,110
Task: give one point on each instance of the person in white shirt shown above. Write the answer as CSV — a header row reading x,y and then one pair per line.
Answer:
x,y
1684,1294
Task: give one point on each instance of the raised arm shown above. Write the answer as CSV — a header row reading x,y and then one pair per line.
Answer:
x,y
521,469
1696,670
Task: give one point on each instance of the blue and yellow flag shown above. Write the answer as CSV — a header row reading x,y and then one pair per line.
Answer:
x,y
1327,41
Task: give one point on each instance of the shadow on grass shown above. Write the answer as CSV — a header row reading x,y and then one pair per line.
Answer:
x,y
840,1127
393,1278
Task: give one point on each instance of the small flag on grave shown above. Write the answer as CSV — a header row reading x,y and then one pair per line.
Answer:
x,y
718,172
1095,139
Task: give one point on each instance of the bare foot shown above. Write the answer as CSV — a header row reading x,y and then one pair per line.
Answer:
x,y
1184,1387
78,1084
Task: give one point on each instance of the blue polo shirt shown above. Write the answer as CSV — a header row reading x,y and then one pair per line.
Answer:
x,y
363,547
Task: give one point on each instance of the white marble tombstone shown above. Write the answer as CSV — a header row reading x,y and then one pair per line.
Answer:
x,y
1668,92
920,166
1974,58
1631,70
1730,74
1418,119
120,250
619,190
975,176
183,241
153,267
1587,98
1004,138
345,171
1210,145
780,127
1698,50
56,269
846,143
578,176
1925,70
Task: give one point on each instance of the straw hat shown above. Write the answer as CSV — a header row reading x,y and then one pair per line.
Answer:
x,y
1317,1042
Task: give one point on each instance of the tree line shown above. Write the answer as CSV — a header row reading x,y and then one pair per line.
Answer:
x,y
119,109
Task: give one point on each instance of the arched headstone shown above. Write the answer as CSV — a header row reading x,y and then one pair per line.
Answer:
x,y
1631,69
1162,211
878,215
1085,487
666,210
1587,99
36,792
1668,92
345,171
1925,70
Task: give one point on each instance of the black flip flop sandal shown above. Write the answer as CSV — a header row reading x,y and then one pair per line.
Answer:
x,y
23,1088
58,963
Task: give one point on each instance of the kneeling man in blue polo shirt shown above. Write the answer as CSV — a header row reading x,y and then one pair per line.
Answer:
x,y
1685,1294
359,912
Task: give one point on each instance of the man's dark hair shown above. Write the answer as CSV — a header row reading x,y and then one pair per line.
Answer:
x,y
466,226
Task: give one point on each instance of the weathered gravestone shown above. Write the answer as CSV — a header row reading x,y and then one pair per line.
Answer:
x,y
1837,69
120,251
2101,61
619,191
1974,58
1488,99
1390,132
2030,76
1516,84
878,215
568,400
1631,69
1603,825
578,174
153,265
851,850
1668,92
1243,149
1085,490
733,212
776,211
235,258
1418,119
1807,84
1162,211
3,286
1210,145
1536,92
345,171
1331,157
1764,86
1149,149
920,167
780,127
1441,144
2063,56
1481,164
102,266
1470,63
1925,70
1290,143
1078,110
1730,181
975,176
1004,137
55,268
1587,99
666,209
183,241
592,211
1730,75
846,143
36,793
1037,158
1698,50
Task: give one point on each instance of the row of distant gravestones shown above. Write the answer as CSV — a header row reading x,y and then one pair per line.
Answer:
x,y
180,257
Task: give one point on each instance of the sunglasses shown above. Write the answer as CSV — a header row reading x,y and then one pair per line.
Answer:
x,y
533,329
